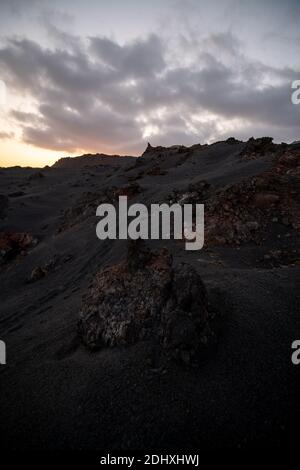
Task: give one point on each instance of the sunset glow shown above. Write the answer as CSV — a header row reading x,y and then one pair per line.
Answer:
x,y
75,87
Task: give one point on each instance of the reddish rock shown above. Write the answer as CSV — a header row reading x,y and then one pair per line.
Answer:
x,y
14,244
265,199
146,298
130,191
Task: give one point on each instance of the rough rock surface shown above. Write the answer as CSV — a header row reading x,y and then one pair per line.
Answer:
x,y
15,244
256,148
85,206
243,212
143,298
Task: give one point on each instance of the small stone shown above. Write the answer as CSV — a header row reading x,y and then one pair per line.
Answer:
x,y
37,274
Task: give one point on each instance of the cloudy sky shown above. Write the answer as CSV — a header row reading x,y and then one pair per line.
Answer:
x,y
80,76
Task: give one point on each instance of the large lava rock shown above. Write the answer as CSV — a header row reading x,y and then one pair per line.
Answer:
x,y
145,298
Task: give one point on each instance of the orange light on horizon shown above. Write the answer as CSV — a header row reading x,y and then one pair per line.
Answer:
x,y
14,153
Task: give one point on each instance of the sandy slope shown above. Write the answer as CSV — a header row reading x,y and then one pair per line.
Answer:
x,y
55,394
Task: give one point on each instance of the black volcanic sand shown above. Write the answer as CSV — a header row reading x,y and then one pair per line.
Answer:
x,y
54,394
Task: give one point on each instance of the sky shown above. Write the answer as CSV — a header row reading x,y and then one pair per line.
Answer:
x,y
99,76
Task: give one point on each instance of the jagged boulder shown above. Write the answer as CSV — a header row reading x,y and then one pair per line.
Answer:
x,y
146,298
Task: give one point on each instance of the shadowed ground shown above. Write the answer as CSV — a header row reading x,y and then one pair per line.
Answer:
x,y
55,394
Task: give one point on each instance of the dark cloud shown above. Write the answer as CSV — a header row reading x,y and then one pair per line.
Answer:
x,y
16,7
99,95
140,59
66,129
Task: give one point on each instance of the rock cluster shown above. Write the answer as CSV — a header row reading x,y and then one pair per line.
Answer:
x,y
242,212
15,244
84,207
146,298
281,258
39,272
257,148
195,193
87,203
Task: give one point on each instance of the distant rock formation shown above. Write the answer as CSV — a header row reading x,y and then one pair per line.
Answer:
x,y
98,159
256,148
154,151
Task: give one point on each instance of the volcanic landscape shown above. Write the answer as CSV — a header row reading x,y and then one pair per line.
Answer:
x,y
118,344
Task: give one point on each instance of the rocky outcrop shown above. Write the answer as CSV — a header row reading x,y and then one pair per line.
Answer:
x,y
244,211
90,160
15,244
146,298
85,206
257,148
159,149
